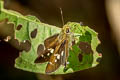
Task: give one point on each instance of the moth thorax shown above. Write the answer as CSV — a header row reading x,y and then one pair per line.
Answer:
x,y
66,29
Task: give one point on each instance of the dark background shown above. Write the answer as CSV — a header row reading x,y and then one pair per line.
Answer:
x,y
90,12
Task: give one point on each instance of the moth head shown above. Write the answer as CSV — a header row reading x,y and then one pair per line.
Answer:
x,y
66,29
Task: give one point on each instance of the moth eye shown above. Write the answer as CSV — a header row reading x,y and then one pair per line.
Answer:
x,y
67,30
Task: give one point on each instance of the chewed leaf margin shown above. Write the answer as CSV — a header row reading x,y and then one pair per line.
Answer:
x,y
23,26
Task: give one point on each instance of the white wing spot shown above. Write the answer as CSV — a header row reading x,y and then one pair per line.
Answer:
x,y
48,54
58,56
55,60
52,50
62,53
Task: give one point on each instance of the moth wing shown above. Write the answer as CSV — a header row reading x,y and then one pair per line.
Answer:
x,y
51,41
44,57
55,59
66,53
53,65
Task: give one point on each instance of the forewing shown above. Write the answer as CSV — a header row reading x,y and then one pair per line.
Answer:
x,y
55,59
49,43
65,53
44,57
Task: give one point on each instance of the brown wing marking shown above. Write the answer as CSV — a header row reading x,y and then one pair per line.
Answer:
x,y
44,57
49,43
55,59
66,52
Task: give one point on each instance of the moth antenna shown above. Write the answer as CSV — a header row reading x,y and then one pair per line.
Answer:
x,y
61,12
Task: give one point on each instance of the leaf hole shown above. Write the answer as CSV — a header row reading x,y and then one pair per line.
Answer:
x,y
19,27
98,59
42,54
73,42
25,45
40,49
80,57
34,33
85,47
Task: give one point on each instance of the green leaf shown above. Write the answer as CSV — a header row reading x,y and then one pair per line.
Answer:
x,y
29,23
82,56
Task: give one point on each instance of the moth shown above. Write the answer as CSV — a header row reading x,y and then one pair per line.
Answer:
x,y
57,49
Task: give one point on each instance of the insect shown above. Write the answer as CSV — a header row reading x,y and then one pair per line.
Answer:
x,y
57,49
